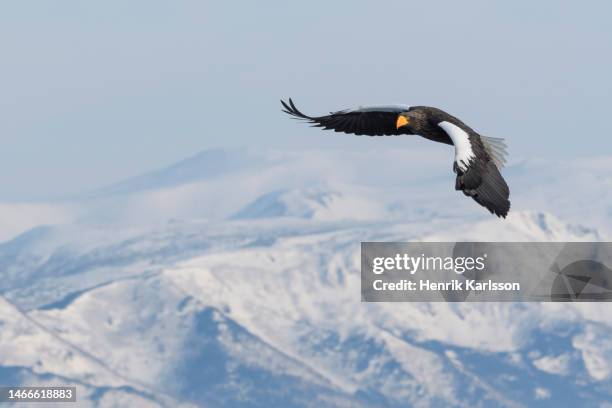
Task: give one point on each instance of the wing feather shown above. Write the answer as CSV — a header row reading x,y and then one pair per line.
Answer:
x,y
370,121
484,183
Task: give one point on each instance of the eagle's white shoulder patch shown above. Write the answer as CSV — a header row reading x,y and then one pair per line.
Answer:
x,y
463,149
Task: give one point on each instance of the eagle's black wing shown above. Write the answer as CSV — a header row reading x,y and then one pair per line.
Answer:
x,y
482,179
370,121
477,163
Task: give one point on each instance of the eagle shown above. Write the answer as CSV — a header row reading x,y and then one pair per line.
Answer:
x,y
478,159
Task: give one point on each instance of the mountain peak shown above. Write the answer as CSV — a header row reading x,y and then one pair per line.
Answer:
x,y
318,203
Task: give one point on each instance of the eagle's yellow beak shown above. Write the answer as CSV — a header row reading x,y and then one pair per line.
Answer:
x,y
401,121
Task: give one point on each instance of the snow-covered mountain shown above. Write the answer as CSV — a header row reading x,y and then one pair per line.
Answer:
x,y
232,279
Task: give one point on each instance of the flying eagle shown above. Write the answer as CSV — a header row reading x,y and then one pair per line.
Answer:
x,y
477,158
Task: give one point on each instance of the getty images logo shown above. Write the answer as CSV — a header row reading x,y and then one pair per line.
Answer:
x,y
414,264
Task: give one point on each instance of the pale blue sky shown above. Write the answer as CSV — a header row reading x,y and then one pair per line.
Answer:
x,y
93,92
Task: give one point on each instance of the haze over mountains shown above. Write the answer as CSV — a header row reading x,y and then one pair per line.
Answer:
x,y
232,279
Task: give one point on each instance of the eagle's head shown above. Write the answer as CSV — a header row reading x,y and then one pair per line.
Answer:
x,y
413,120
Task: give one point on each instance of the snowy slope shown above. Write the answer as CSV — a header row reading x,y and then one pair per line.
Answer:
x,y
239,286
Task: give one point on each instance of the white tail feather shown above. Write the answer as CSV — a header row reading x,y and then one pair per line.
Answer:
x,y
497,149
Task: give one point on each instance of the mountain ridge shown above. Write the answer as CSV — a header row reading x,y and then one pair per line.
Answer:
x,y
249,280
